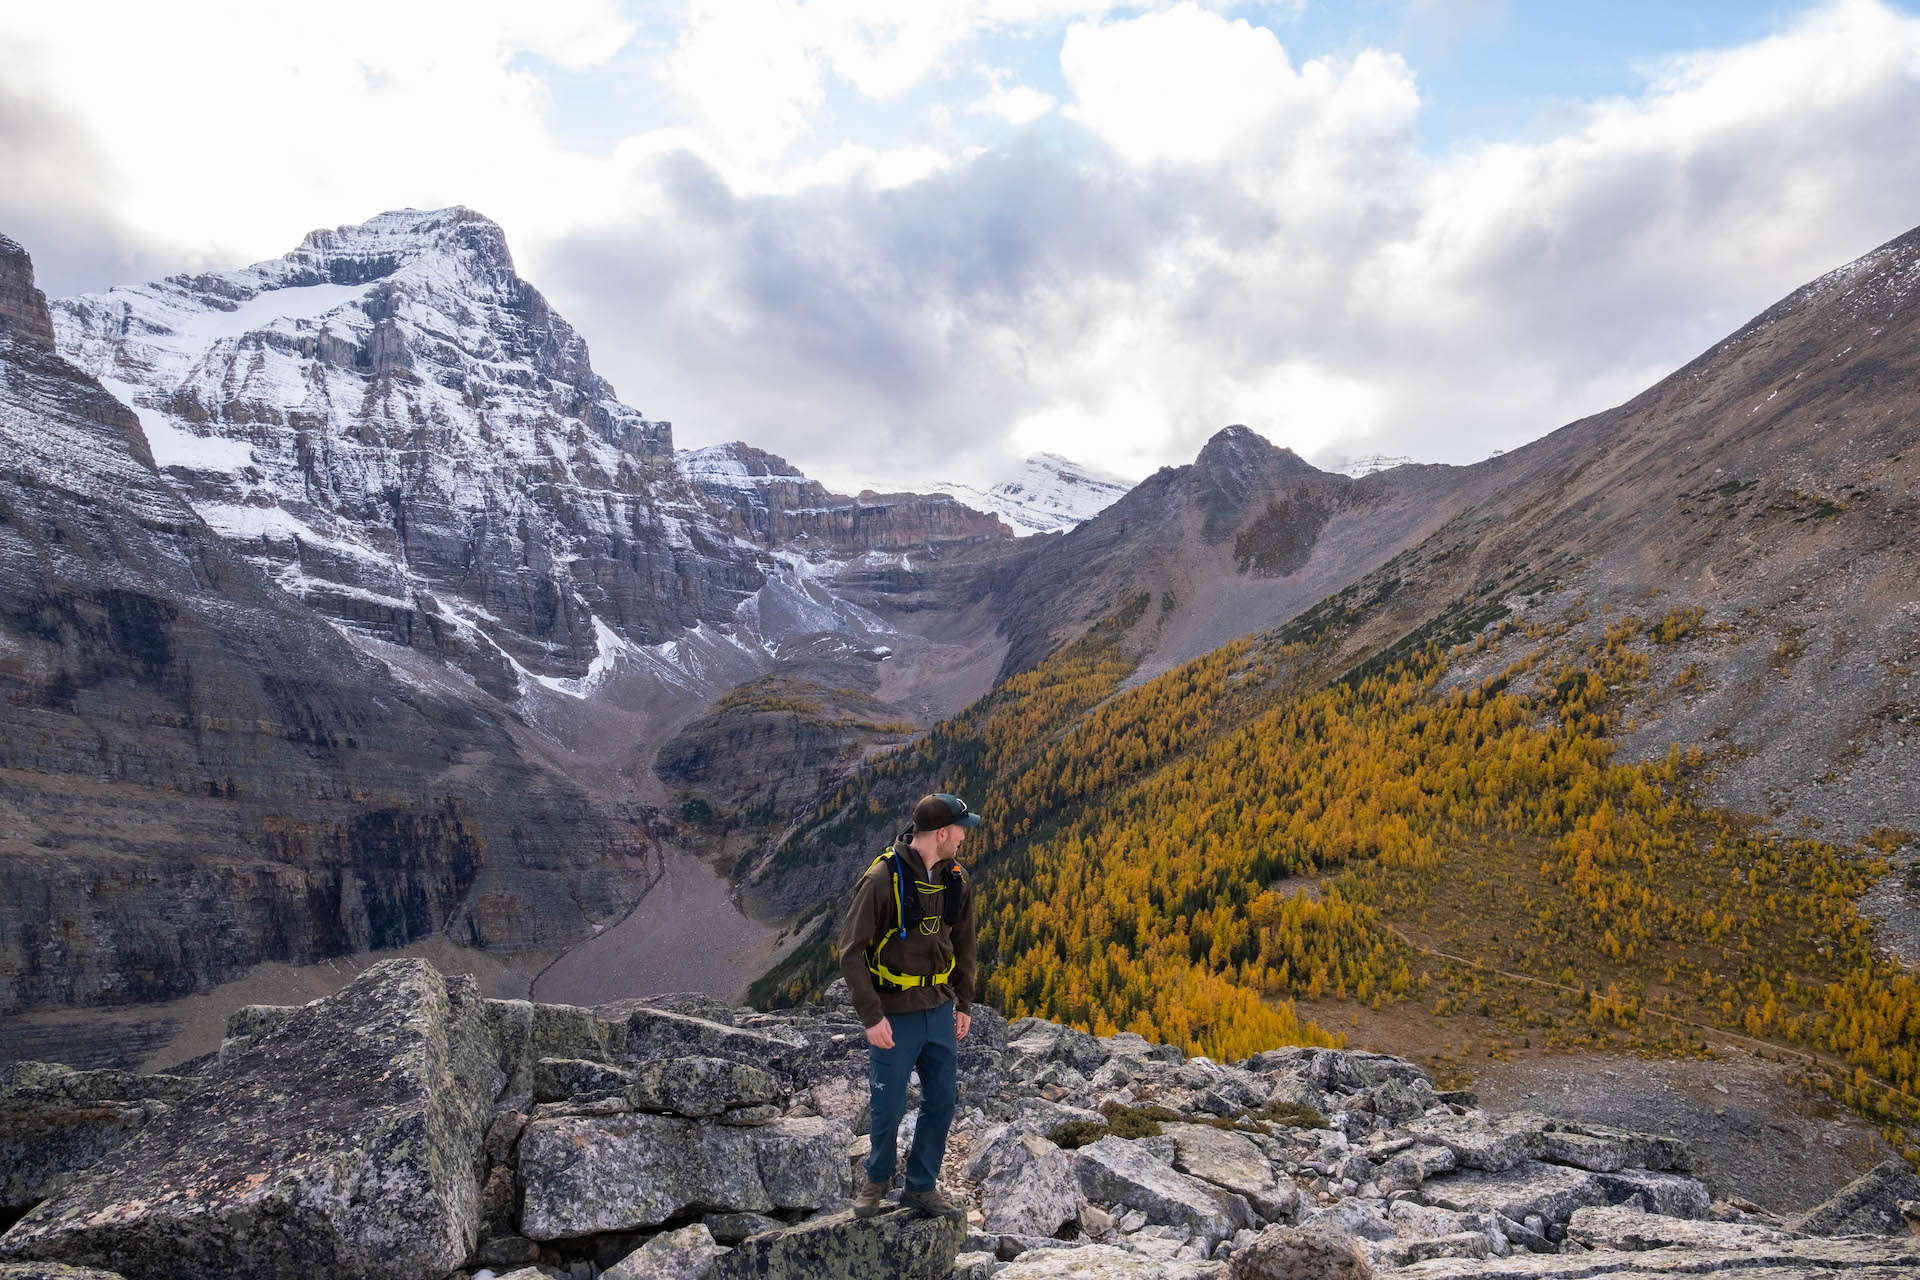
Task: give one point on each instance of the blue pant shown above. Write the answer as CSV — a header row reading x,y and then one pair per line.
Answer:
x,y
923,1042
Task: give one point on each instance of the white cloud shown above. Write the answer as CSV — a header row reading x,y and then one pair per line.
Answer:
x,y
1229,236
1017,104
1187,86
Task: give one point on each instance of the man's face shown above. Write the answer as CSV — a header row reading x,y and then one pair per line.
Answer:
x,y
946,841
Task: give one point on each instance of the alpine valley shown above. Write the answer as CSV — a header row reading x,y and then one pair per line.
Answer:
x,y
345,611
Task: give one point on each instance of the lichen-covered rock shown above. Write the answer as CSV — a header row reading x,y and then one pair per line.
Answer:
x,y
686,1254
1612,1227
1495,1142
703,1086
525,1033
732,1228
52,1271
344,1142
1038,1042
1414,1165
1869,1205
974,1266
558,1079
1288,1253
1231,1160
56,1121
1027,1184
1104,1262
1117,1171
588,1174
661,1033
896,1244
1855,1257
1555,1191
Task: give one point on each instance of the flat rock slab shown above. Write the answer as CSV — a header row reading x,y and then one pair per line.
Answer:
x,y
896,1244
1811,1259
660,1033
588,1174
1496,1142
1231,1160
52,1271
1617,1228
1120,1172
1105,1262
1555,1191
345,1141
686,1254
55,1120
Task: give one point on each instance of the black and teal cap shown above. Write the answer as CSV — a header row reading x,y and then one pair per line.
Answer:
x,y
942,810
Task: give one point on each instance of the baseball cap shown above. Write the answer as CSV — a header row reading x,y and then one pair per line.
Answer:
x,y
941,810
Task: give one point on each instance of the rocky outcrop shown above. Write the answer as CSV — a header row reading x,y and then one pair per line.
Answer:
x,y
55,1121
1869,1205
344,1142
406,1127
585,1175
23,308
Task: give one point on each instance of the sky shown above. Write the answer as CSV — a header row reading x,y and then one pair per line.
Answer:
x,y
905,243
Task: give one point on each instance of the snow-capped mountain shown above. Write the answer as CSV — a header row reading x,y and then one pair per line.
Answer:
x,y
1358,467
1051,493
411,440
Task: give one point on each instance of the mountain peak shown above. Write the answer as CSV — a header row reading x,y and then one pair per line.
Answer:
x,y
1052,493
376,248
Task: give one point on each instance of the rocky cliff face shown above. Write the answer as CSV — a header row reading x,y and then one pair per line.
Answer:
x,y
406,436
407,1128
196,775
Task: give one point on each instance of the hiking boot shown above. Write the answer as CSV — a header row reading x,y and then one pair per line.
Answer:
x,y
932,1202
871,1199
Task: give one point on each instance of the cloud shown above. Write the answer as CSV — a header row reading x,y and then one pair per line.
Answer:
x,y
1017,104
1203,230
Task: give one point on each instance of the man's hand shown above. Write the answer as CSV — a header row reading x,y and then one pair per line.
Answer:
x,y
880,1034
961,1021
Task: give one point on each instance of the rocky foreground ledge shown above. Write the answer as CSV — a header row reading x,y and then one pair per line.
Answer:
x,y
408,1128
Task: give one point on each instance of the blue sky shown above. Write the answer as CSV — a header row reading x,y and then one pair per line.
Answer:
x,y
856,232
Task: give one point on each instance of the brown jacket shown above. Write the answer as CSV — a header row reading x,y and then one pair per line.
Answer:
x,y
924,953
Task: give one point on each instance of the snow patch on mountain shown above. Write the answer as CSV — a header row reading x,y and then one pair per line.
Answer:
x,y
1051,494
1358,467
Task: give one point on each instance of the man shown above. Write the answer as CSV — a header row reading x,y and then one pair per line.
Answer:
x,y
907,950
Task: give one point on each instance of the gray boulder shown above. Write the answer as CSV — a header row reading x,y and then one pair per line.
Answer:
x,y
1414,1165
55,1121
270,1169
1287,1253
1494,1142
1042,1042
1115,1171
559,1079
702,1086
52,1271
1104,1262
524,1033
895,1244
1859,1258
1612,1227
686,1254
1869,1205
1027,1184
660,1033
1555,1191
588,1174
1231,1160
